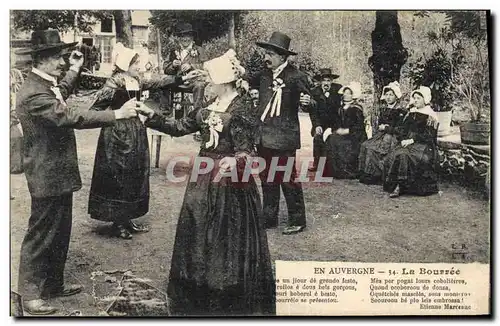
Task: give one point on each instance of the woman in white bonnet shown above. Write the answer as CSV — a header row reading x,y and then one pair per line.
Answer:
x,y
374,150
221,264
412,167
119,191
343,137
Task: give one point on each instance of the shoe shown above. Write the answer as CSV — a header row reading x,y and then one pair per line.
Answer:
x,y
38,307
67,291
137,228
12,197
289,230
395,193
122,232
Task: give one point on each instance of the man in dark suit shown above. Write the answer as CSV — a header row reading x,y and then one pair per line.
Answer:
x,y
328,100
254,97
282,90
186,56
51,166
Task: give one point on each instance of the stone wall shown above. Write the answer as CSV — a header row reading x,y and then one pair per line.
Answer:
x,y
467,164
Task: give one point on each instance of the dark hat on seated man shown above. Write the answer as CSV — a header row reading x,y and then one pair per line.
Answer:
x,y
184,28
46,42
326,73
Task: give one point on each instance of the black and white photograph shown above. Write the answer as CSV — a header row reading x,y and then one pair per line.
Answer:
x,y
172,163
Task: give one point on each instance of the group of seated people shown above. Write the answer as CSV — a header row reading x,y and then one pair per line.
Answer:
x,y
402,155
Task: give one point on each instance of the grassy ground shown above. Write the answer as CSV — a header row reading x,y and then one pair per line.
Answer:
x,y
347,221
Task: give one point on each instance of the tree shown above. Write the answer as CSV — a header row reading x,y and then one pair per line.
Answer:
x,y
208,24
123,26
62,20
231,32
388,57
472,78
463,43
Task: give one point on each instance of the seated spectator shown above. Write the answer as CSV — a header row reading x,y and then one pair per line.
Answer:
x,y
343,137
254,97
375,149
325,111
412,166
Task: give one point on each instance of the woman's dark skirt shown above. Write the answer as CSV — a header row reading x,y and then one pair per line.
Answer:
x,y
221,264
342,152
120,183
371,157
413,168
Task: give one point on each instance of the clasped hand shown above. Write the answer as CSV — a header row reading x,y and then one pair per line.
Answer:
x,y
382,127
342,131
406,142
194,74
305,99
144,110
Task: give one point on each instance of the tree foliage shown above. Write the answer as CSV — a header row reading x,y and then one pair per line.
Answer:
x,y
435,73
471,24
389,55
458,68
208,24
62,20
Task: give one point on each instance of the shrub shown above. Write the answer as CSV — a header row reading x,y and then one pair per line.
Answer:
x,y
436,74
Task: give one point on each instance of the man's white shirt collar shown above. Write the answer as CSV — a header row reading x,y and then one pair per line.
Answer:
x,y
45,76
185,51
277,71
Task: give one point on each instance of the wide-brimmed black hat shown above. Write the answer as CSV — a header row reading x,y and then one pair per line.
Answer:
x,y
326,73
184,28
45,41
279,42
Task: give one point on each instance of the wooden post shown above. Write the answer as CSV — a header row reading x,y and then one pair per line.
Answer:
x,y
158,49
75,26
158,149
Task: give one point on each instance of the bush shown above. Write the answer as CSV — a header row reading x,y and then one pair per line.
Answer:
x,y
91,82
435,73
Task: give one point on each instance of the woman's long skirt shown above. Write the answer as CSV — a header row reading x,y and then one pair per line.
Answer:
x,y
342,152
120,183
221,263
413,168
371,157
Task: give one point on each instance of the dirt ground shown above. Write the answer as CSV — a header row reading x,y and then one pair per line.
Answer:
x,y
347,221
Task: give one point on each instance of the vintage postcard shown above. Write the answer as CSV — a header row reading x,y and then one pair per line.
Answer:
x,y
250,163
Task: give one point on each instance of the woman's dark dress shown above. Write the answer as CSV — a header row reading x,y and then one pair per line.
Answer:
x,y
120,182
415,166
221,263
373,151
343,150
